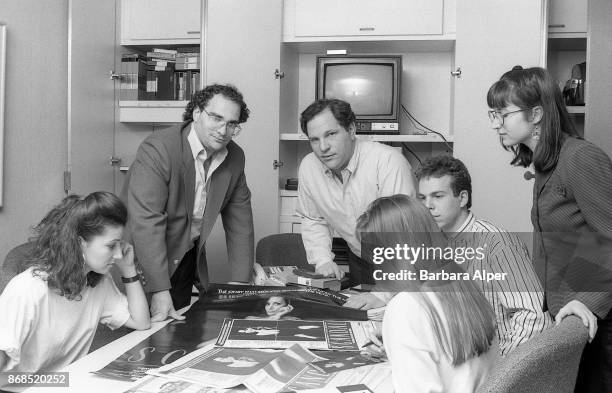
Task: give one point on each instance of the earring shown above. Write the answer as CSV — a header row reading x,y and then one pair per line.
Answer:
x,y
535,133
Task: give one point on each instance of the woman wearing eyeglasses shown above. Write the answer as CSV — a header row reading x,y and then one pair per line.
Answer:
x,y
572,208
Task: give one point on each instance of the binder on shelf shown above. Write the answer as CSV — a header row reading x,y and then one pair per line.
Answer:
x,y
133,84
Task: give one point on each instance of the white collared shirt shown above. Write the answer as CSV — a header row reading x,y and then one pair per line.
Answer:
x,y
202,179
327,205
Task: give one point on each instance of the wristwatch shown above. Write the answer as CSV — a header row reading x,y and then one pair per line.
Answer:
x,y
130,279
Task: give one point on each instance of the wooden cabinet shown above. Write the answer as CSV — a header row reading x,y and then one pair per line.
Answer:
x,y
155,22
567,16
362,18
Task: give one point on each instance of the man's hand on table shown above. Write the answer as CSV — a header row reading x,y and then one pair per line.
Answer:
x,y
364,301
162,308
330,269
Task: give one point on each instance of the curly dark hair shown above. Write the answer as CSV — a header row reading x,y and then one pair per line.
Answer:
x,y
57,256
340,109
200,99
438,166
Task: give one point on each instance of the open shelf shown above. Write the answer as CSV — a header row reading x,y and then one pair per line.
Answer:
x,y
151,111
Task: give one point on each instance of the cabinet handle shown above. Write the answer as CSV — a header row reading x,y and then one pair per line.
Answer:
x,y
193,32
366,29
457,72
557,25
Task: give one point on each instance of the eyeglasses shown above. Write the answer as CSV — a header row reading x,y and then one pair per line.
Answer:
x,y
497,118
219,122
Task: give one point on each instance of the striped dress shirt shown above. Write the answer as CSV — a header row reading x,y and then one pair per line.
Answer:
x,y
518,299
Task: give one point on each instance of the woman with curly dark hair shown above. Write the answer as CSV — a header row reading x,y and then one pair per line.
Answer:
x,y
52,309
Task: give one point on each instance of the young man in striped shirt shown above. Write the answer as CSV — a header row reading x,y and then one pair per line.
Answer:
x,y
445,189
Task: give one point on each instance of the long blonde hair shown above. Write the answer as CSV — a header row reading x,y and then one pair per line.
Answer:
x,y
465,327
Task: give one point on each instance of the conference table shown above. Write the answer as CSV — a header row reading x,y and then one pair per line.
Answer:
x,y
177,338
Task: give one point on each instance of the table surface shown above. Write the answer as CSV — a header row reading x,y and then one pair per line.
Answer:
x,y
80,372
81,378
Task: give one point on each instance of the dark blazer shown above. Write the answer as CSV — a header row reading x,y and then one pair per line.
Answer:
x,y
159,192
572,219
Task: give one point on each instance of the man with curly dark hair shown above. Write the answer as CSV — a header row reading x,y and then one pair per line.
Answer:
x,y
179,182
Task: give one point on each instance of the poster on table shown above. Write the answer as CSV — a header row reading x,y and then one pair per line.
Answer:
x,y
323,335
205,317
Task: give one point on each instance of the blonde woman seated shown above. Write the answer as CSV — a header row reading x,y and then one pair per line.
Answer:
x,y
438,335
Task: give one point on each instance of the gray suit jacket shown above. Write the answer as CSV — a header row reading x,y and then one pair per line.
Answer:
x,y
572,219
159,192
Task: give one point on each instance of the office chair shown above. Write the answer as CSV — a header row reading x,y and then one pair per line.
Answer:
x,y
14,263
547,363
283,249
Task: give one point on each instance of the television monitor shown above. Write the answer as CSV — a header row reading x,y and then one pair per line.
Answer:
x,y
371,84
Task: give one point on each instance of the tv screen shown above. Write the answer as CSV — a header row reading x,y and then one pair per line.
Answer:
x,y
366,86
370,83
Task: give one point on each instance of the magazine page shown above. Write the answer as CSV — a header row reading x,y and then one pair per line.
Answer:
x,y
343,360
154,384
281,372
205,317
218,367
323,335
367,379
230,367
272,378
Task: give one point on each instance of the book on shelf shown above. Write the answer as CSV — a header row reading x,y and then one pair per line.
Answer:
x,y
133,82
185,84
167,51
162,56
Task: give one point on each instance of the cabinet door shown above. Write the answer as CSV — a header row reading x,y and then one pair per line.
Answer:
x,y
489,43
91,98
367,17
160,20
567,16
243,48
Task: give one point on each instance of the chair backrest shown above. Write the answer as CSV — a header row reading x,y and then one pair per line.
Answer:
x,y
546,363
14,263
283,249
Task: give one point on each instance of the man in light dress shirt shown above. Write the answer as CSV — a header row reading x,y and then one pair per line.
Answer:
x,y
337,182
445,189
180,181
